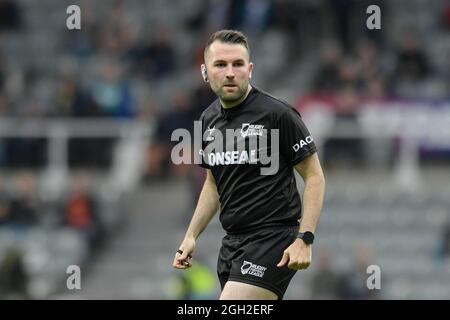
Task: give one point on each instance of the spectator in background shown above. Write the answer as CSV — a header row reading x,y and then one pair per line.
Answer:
x,y
347,152
376,89
13,276
347,103
212,14
197,283
108,44
446,15
111,97
445,242
180,116
73,100
413,69
202,96
372,74
2,73
118,34
287,20
111,91
4,112
338,70
324,282
412,63
16,151
81,211
342,11
14,89
353,284
286,17
349,76
155,59
327,78
236,14
84,43
10,15
5,212
369,65
253,16
197,55
25,205
258,15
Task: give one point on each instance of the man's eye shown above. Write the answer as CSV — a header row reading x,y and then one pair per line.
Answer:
x,y
238,64
220,65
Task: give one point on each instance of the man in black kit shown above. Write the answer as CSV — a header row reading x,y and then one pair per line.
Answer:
x,y
266,241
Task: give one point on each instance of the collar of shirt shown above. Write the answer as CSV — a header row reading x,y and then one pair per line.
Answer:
x,y
229,112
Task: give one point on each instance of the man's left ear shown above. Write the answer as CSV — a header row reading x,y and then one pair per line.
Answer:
x,y
251,70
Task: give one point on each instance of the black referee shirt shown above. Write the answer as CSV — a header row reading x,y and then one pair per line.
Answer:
x,y
250,200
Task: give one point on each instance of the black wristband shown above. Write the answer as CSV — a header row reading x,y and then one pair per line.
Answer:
x,y
307,237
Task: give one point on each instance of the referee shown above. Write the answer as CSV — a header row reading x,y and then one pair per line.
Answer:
x,y
268,237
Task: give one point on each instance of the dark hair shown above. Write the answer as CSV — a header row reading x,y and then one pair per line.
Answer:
x,y
228,36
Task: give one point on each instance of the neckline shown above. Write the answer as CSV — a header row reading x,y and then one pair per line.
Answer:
x,y
228,111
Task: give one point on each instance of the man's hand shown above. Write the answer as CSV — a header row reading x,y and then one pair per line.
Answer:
x,y
297,255
183,257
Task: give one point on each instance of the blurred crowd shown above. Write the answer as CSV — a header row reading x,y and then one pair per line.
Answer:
x,y
329,283
123,66
100,67
25,208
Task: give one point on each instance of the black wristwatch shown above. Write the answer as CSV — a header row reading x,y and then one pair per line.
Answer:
x,y
307,237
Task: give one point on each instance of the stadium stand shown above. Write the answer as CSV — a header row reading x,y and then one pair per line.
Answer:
x,y
86,118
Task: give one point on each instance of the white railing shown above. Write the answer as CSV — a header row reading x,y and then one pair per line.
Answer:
x,y
133,137
413,126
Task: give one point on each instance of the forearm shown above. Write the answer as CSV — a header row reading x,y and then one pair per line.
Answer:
x,y
207,206
313,194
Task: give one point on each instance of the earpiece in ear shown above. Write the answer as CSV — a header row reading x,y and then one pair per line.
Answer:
x,y
204,73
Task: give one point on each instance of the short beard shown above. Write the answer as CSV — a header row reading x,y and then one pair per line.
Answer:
x,y
226,99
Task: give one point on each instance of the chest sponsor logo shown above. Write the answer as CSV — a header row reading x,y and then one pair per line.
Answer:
x,y
228,148
232,157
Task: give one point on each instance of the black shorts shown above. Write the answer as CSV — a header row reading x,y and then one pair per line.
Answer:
x,y
253,257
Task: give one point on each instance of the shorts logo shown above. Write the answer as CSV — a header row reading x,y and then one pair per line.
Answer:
x,y
252,269
251,130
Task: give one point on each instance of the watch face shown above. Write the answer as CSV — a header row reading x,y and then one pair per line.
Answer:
x,y
308,237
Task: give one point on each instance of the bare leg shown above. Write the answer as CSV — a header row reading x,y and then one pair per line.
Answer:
x,y
242,291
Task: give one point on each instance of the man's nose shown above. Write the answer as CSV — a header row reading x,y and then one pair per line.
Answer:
x,y
230,73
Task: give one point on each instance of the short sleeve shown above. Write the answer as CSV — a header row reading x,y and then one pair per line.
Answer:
x,y
296,142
